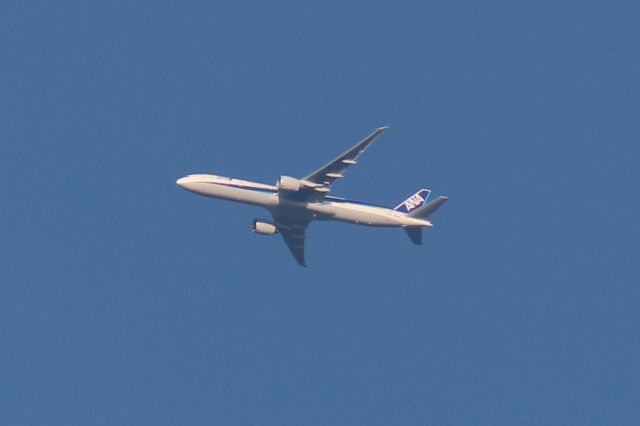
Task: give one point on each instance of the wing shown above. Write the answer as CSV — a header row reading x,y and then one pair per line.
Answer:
x,y
294,239
293,230
335,169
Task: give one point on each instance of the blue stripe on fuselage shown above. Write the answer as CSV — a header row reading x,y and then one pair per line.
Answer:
x,y
250,188
344,200
274,191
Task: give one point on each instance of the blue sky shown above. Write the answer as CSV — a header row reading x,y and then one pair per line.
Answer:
x,y
126,300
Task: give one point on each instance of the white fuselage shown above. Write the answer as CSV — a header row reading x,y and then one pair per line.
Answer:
x,y
267,196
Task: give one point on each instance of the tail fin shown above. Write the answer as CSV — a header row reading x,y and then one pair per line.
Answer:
x,y
428,209
415,201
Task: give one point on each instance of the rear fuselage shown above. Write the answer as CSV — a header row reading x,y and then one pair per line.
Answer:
x,y
268,196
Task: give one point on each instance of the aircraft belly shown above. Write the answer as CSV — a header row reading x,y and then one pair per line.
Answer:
x,y
353,214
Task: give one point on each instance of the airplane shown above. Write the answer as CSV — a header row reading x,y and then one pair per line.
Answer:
x,y
294,203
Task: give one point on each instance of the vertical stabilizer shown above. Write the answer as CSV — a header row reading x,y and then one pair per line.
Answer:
x,y
413,202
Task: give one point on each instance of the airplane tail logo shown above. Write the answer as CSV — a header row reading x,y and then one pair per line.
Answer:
x,y
413,202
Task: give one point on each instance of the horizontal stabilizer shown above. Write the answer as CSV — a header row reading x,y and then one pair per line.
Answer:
x,y
429,208
415,234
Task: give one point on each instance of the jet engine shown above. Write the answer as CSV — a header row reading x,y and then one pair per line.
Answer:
x,y
288,183
264,227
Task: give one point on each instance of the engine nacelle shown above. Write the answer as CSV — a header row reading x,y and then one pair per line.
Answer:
x,y
288,183
264,227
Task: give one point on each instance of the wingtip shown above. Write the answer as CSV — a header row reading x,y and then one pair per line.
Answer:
x,y
383,128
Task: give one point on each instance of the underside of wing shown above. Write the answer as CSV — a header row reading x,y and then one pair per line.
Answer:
x,y
295,241
293,229
335,169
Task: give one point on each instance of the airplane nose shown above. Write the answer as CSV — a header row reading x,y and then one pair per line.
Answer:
x,y
182,181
